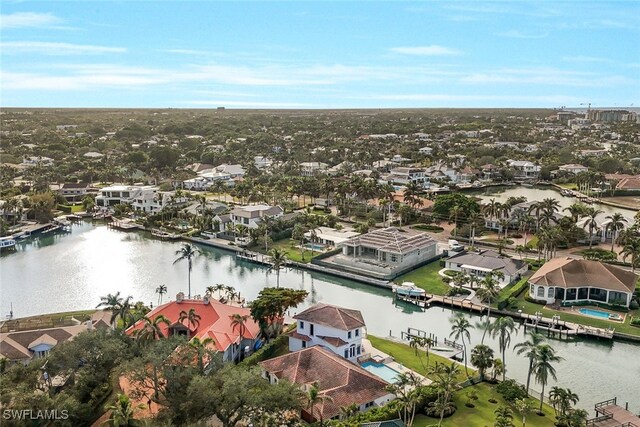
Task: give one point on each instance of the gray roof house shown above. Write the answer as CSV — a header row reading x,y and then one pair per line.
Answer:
x,y
483,262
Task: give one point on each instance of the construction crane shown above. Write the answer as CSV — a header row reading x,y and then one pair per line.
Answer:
x,y
588,104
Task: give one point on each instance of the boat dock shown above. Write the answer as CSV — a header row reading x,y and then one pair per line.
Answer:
x,y
554,326
255,257
610,414
125,225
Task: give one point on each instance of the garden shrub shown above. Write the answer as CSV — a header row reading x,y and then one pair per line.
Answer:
x,y
511,390
432,412
635,321
535,301
634,305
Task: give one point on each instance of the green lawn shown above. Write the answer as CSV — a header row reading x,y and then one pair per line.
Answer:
x,y
569,186
405,355
626,328
289,247
483,412
427,278
480,416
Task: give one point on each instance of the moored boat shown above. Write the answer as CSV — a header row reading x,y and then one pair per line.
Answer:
x,y
7,242
408,289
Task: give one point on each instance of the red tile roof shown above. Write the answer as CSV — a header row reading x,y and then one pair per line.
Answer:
x,y
215,321
333,316
334,341
345,382
297,335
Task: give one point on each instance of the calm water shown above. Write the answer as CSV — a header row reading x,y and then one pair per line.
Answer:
x,y
501,194
71,272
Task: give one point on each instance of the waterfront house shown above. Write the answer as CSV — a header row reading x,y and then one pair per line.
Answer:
x,y
406,175
524,169
251,216
567,280
330,236
343,382
335,328
145,198
385,253
573,168
481,263
24,346
215,322
73,190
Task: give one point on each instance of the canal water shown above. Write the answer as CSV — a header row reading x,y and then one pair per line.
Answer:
x,y
502,193
72,271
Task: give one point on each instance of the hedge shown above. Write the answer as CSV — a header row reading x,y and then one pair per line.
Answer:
x,y
266,352
514,292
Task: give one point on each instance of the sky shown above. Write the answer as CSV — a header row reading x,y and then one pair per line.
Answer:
x,y
332,54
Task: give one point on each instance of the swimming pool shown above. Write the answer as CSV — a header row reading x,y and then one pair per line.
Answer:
x,y
314,246
381,371
595,313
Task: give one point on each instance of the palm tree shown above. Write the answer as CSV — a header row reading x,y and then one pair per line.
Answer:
x,y
482,358
632,249
504,417
151,329
314,397
238,320
524,407
543,367
192,318
529,349
590,221
278,259
113,303
123,412
349,411
161,290
454,214
459,330
492,209
617,223
446,384
415,343
475,220
489,291
200,346
405,389
188,252
502,328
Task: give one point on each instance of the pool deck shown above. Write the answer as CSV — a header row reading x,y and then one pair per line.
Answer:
x,y
370,352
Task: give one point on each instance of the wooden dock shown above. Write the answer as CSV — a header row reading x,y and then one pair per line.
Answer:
x,y
255,257
610,414
427,300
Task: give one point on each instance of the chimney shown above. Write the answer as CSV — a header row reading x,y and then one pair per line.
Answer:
x,y
179,297
205,299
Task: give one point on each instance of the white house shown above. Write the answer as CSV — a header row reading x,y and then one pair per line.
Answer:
x,y
567,280
262,162
524,169
480,264
336,328
573,168
35,160
330,236
312,168
405,175
146,198
426,151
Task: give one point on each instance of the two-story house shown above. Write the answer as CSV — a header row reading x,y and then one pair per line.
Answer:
x,y
335,328
524,169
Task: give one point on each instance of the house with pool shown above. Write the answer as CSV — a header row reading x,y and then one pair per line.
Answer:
x,y
566,280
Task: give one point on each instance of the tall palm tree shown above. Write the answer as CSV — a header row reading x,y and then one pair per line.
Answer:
x,y
188,252
278,259
475,220
192,318
151,329
591,214
455,213
113,303
502,329
314,397
459,330
617,222
446,383
529,348
200,346
239,321
492,209
482,358
543,367
161,290
123,412
632,249
487,293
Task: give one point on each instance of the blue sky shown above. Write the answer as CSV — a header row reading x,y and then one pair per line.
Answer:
x,y
319,54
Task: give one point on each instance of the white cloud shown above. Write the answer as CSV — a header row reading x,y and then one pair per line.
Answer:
x,y
53,48
545,76
431,50
248,104
521,35
28,20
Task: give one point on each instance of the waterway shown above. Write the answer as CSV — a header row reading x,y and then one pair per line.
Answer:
x,y
538,193
72,271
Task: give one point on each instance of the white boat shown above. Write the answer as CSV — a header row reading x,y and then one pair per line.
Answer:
x,y
408,289
63,221
7,242
164,235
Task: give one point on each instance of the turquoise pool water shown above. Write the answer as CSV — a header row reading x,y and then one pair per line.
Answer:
x,y
381,371
594,313
314,246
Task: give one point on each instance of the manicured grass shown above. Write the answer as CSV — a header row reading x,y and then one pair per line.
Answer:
x,y
289,247
406,355
427,278
47,320
504,293
569,186
626,328
480,416
483,412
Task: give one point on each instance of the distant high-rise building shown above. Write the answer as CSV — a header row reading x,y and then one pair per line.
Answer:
x,y
612,116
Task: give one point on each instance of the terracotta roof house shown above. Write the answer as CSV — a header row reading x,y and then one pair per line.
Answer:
x,y
344,382
23,346
568,280
215,323
483,262
338,329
